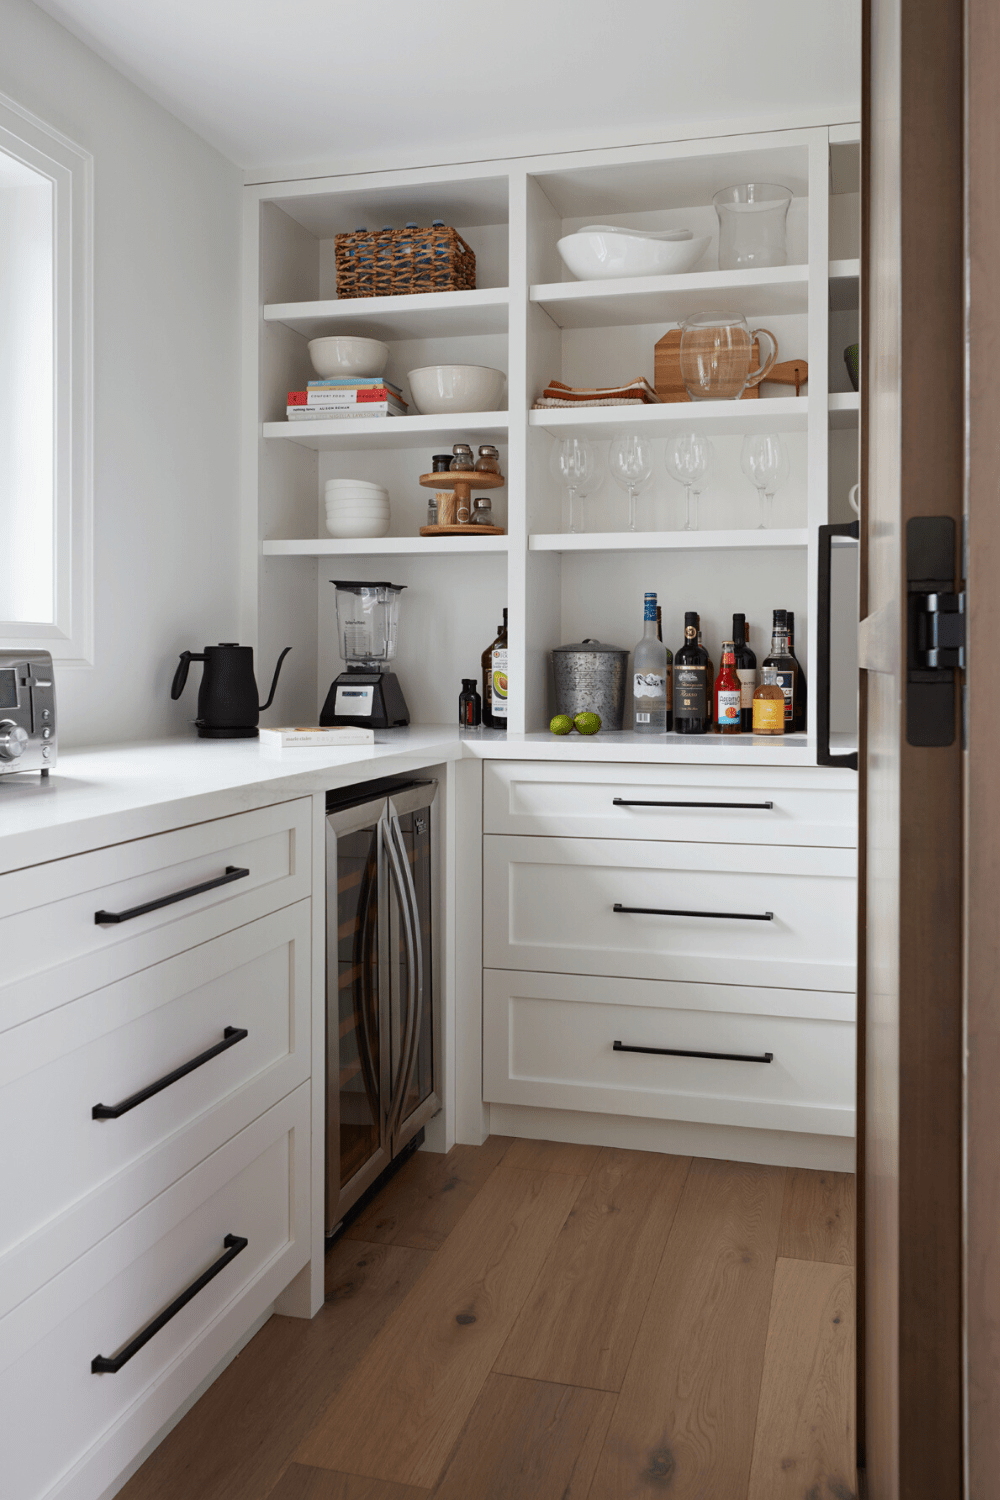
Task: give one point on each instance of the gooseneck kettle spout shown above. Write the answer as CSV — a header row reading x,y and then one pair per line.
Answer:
x,y
227,698
274,680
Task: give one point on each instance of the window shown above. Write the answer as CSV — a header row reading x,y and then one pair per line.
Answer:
x,y
45,390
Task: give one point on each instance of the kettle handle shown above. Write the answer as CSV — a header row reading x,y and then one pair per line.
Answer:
x,y
181,675
274,680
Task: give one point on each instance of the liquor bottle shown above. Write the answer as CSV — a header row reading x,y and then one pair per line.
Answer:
x,y
727,693
746,670
650,682
782,660
670,669
692,686
495,671
710,677
769,704
799,724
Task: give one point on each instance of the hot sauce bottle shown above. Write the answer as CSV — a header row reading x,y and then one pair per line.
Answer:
x,y
727,693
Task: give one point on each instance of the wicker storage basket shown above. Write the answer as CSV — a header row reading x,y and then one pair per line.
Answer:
x,y
394,262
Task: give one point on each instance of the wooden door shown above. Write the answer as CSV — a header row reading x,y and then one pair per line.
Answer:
x,y
910,1416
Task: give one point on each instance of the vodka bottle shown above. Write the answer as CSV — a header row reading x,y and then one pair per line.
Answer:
x,y
649,676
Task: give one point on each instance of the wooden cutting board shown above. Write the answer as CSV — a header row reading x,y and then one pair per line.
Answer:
x,y
667,369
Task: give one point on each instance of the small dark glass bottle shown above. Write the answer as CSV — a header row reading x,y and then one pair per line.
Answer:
x,y
470,705
781,659
799,722
692,685
746,670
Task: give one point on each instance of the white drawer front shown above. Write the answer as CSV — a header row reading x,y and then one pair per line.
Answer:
x,y
53,949
697,804
109,1046
54,1407
548,1041
550,904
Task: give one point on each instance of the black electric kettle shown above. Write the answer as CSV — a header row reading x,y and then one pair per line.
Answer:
x,y
227,699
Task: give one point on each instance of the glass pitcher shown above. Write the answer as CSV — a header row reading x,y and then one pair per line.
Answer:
x,y
752,225
717,354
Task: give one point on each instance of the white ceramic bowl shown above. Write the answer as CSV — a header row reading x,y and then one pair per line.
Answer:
x,y
376,512
356,497
350,526
440,389
354,484
597,257
343,355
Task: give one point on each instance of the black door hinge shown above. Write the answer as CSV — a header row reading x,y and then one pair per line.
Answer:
x,y
941,630
935,647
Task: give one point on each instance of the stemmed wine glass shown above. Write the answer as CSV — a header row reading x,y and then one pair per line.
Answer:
x,y
688,457
630,459
573,462
764,460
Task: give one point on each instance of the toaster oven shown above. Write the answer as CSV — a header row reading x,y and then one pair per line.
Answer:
x,y
27,712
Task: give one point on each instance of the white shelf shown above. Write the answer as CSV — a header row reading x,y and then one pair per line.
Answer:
x,y
384,546
780,414
667,541
667,299
425,315
845,285
392,432
845,409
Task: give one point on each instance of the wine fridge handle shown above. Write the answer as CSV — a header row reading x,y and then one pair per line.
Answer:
x,y
824,755
411,919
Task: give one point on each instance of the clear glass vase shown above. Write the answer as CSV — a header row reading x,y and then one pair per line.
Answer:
x,y
752,225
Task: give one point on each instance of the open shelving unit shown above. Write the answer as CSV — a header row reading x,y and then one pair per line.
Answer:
x,y
532,319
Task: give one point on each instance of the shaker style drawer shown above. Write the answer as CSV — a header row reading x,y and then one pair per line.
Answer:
x,y
697,804
714,913
549,1040
72,925
102,1083
78,1357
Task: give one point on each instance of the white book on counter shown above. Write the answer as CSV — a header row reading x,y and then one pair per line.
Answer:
x,y
312,737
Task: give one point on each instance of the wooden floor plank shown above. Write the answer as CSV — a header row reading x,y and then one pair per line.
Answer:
x,y
399,1414
302,1483
236,1441
684,1421
423,1202
552,1156
526,1440
805,1445
581,1320
817,1221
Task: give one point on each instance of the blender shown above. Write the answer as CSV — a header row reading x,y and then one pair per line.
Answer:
x,y
366,696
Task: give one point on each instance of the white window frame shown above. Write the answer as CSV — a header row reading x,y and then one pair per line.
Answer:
x,y
71,171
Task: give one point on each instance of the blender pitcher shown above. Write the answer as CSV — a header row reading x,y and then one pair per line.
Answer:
x,y
752,225
716,354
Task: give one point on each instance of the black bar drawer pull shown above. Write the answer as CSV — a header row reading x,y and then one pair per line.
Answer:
x,y
633,802
667,911
106,918
762,1057
231,1036
101,1365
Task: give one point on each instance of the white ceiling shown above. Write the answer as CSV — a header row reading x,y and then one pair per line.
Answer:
x,y
276,82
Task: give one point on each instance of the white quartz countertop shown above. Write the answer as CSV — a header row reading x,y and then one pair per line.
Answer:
x,y
89,797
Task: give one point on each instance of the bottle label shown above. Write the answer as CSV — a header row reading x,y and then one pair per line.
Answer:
x,y
748,682
649,685
498,678
786,682
689,693
727,704
769,716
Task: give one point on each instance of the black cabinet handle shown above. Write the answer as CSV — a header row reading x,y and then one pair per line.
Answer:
x,y
100,1365
233,872
631,802
231,1036
763,1057
824,755
666,911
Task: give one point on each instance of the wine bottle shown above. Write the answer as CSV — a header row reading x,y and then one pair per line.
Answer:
x,y
710,676
783,662
728,693
691,683
649,676
670,669
799,724
746,670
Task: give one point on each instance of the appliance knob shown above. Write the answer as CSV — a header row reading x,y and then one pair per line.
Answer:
x,y
13,740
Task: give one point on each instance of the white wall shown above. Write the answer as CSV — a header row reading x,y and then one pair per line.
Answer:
x,y
166,372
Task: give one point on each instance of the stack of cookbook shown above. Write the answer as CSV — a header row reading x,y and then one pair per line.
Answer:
x,y
346,396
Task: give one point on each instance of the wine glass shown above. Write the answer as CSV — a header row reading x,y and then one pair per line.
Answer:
x,y
764,460
630,459
573,462
688,457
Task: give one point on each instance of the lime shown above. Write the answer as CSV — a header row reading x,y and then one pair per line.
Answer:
x,y
587,723
561,724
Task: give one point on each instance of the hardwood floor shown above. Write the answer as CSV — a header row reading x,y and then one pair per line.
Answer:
x,y
536,1321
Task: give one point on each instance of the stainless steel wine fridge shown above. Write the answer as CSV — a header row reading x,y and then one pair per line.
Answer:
x,y
380,1011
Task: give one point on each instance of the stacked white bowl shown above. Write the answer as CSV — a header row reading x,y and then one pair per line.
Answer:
x,y
356,508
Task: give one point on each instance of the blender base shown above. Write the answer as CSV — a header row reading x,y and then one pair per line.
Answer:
x,y
376,696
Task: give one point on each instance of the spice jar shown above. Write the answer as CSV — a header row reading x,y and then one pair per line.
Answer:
x,y
440,463
482,511
463,457
489,460
432,511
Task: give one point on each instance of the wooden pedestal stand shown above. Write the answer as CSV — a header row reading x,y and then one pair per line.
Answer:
x,y
463,482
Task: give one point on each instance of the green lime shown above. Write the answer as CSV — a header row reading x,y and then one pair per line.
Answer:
x,y
561,724
587,723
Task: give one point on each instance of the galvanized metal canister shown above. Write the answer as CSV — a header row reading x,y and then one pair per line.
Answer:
x,y
590,677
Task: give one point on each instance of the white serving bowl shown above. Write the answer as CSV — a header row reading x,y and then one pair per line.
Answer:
x,y
347,355
376,512
353,484
440,389
597,257
360,526
356,497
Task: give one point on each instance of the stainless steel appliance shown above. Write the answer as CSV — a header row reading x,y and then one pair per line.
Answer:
x,y
367,695
381,1043
27,712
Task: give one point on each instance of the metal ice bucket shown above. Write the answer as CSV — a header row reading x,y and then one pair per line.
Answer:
x,y
590,677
